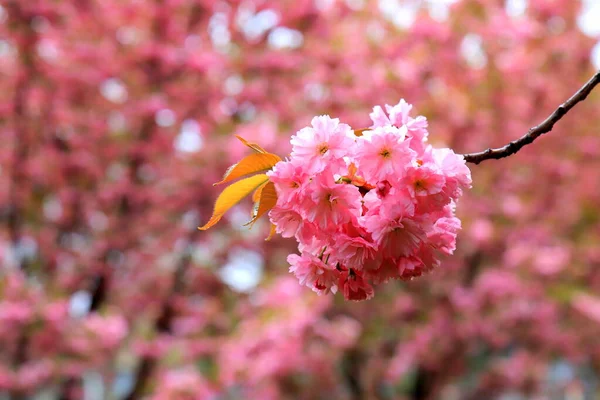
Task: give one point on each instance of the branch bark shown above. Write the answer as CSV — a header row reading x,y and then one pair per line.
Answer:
x,y
535,132
147,365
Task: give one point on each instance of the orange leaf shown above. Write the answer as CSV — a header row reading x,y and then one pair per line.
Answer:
x,y
359,132
253,146
258,162
266,201
256,194
354,179
352,170
232,195
271,233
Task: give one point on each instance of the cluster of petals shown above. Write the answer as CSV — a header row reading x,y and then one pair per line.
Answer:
x,y
367,208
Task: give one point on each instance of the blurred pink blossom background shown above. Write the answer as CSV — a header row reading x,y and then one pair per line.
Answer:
x,y
116,117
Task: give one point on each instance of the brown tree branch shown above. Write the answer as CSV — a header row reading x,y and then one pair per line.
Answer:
x,y
535,132
147,364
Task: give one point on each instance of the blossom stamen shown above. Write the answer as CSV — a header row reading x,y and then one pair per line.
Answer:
x,y
385,153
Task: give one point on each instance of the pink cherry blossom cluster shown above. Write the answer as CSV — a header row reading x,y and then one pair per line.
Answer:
x,y
369,208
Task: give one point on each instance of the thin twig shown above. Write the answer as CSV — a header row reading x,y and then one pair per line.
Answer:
x,y
533,133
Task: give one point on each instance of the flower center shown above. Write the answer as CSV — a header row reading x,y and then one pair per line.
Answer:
x,y
420,186
330,200
385,153
323,148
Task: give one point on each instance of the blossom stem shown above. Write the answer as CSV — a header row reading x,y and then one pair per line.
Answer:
x,y
322,252
535,132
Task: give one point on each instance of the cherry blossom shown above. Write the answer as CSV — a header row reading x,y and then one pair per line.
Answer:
x,y
382,207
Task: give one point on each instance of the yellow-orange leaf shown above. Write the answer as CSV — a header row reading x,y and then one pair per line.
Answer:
x,y
232,195
256,194
253,146
359,132
258,162
267,200
353,178
271,233
352,170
